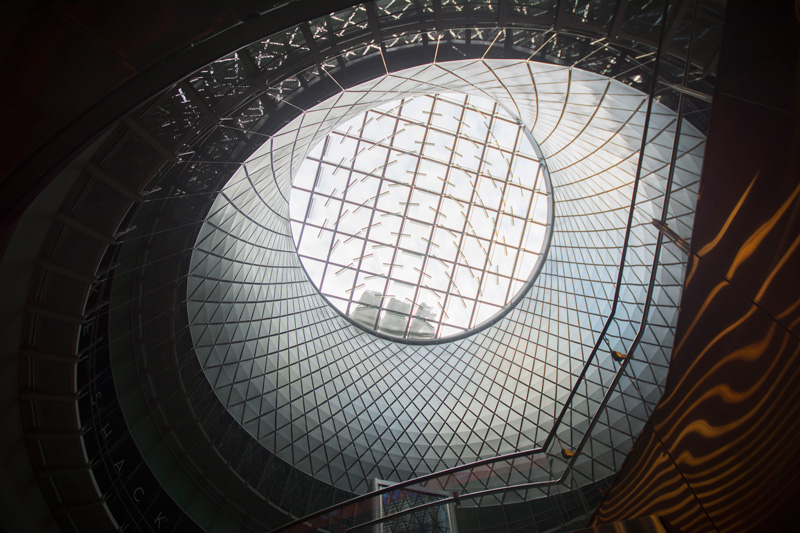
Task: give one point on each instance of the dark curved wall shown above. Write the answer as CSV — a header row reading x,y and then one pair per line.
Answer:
x,y
721,451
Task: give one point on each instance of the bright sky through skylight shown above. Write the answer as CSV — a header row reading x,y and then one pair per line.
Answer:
x,y
421,218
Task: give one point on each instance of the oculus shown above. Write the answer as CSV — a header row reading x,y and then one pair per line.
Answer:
x,y
422,218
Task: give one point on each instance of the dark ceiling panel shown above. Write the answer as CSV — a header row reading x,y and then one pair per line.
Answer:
x,y
731,414
81,60
145,36
761,53
16,147
59,71
654,487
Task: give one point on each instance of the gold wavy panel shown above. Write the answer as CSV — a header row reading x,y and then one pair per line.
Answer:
x,y
724,440
732,421
721,450
655,475
645,524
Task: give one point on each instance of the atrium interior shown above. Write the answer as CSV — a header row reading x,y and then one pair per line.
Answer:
x,y
403,265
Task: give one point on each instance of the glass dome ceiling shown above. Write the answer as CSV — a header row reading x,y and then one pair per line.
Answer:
x,y
346,406
180,147
421,218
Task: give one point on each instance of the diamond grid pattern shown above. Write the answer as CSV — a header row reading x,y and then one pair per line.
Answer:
x,y
345,406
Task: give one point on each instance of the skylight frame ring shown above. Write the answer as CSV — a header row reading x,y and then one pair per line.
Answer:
x,y
511,303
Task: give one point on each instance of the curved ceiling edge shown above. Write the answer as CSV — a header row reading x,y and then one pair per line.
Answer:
x,y
125,187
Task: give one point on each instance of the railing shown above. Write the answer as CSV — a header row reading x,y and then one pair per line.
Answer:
x,y
359,513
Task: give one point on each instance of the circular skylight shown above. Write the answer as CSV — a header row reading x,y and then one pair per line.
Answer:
x,y
422,218
346,406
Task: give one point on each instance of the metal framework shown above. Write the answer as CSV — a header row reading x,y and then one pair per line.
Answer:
x,y
163,167
404,217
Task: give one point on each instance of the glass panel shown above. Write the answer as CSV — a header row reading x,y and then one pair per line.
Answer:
x,y
430,187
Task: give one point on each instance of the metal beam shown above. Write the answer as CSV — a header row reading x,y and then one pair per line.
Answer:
x,y
616,24
149,138
33,393
675,23
37,308
58,269
437,14
691,92
103,176
52,433
36,352
248,64
561,15
83,228
502,12
671,235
